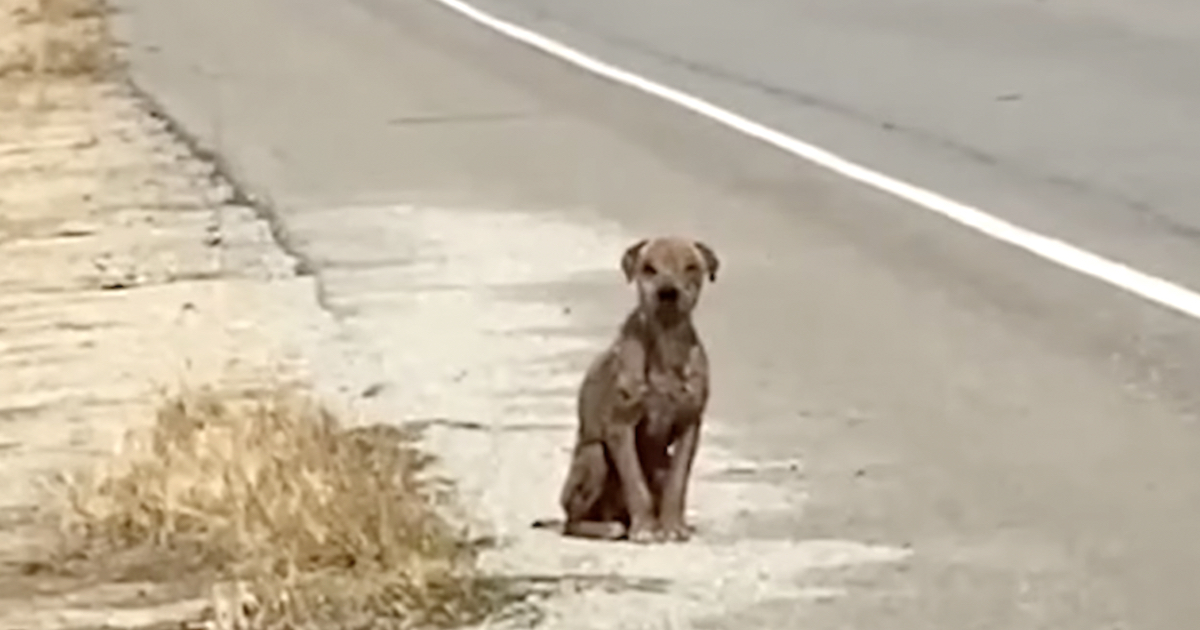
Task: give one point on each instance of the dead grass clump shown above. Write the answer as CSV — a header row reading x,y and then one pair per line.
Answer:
x,y
55,38
320,523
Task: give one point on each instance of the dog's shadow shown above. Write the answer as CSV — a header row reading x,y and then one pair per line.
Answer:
x,y
557,526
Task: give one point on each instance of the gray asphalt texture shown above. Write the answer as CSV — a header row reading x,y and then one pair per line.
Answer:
x,y
1030,433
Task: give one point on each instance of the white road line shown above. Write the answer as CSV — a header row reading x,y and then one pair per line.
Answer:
x,y
1154,289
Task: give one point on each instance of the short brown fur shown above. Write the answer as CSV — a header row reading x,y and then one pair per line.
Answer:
x,y
641,404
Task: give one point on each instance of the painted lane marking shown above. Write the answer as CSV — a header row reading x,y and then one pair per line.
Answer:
x,y
1117,274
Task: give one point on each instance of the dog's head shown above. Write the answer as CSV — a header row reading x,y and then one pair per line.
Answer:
x,y
669,273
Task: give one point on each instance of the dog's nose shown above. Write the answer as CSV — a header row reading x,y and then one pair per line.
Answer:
x,y
668,294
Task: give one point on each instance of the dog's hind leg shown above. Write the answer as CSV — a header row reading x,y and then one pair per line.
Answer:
x,y
589,494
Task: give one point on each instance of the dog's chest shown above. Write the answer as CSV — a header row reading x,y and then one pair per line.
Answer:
x,y
665,388
667,371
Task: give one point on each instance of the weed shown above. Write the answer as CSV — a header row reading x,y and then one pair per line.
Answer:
x,y
314,523
55,38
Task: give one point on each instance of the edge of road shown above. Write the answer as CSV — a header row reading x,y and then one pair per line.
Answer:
x,y
1154,289
241,192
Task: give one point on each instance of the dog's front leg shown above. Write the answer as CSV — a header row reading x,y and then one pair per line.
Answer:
x,y
674,497
694,397
621,440
628,410
692,401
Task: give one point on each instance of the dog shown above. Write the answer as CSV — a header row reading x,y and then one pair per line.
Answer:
x,y
641,404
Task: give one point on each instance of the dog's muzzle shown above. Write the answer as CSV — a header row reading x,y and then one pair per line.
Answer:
x,y
668,295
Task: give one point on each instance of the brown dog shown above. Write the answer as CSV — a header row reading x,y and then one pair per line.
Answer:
x,y
641,403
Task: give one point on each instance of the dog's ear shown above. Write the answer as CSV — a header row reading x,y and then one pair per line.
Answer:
x,y
629,261
711,263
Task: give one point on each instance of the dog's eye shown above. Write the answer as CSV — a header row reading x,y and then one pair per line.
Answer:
x,y
693,268
649,269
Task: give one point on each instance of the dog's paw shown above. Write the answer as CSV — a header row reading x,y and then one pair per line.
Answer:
x,y
644,533
677,531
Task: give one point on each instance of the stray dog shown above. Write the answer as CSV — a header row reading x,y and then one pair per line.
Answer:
x,y
641,403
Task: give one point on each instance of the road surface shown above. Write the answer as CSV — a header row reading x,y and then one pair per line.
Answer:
x,y
1027,432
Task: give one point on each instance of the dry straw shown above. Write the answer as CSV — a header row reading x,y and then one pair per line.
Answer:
x,y
55,38
323,525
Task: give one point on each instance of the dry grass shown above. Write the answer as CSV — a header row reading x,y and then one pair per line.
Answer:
x,y
55,38
264,491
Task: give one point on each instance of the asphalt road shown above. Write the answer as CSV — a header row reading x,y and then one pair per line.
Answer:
x,y
1030,433
1073,117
